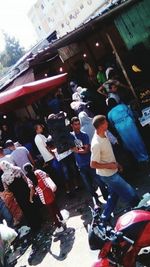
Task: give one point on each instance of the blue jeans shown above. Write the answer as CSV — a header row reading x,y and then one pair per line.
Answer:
x,y
53,168
69,167
89,176
118,188
5,214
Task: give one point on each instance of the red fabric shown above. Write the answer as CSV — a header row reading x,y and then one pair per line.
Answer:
x,y
48,194
26,94
12,205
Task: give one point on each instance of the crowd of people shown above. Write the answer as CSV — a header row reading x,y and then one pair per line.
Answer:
x,y
91,159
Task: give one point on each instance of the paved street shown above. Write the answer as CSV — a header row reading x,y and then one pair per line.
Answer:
x,y
71,248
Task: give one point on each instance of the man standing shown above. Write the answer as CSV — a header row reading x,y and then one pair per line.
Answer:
x,y
51,164
40,141
103,160
82,155
20,155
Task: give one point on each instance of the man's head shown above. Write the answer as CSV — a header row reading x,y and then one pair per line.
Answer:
x,y
39,128
4,127
100,123
75,123
9,144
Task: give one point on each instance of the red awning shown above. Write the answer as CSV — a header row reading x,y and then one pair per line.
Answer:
x,y
24,95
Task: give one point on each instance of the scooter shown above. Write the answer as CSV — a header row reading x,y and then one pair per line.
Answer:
x,y
128,243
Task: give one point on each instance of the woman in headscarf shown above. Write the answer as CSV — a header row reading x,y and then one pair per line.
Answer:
x,y
14,180
121,117
86,124
88,128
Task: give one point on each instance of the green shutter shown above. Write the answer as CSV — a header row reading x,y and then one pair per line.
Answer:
x,y
134,24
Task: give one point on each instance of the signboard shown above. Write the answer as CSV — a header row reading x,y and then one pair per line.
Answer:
x,y
69,51
145,119
145,97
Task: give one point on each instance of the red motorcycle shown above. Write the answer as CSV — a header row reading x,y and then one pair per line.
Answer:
x,y
128,243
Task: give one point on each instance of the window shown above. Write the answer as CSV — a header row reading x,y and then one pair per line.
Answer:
x,y
42,6
39,28
81,6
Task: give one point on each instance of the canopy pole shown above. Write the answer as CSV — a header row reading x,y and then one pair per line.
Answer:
x,y
121,65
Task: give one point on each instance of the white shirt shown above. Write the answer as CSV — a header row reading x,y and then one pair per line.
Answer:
x,y
101,152
40,141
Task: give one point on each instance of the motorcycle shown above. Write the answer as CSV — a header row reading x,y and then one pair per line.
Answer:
x,y
128,243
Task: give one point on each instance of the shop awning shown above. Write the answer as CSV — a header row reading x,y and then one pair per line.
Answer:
x,y
26,94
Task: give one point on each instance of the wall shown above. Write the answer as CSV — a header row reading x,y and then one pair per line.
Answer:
x,y
61,15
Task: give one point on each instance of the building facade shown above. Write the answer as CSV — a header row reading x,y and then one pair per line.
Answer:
x,y
62,15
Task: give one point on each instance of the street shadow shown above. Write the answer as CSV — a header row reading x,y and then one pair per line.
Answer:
x,y
66,240
79,206
39,251
86,215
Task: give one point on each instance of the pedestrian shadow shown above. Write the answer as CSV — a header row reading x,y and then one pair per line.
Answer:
x,y
86,217
39,253
66,240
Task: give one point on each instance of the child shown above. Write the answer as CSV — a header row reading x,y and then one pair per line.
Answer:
x,y
45,188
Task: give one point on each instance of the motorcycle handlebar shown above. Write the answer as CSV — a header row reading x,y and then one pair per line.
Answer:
x,y
120,235
116,235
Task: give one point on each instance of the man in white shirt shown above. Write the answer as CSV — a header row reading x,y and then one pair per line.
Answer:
x,y
103,160
40,141
51,164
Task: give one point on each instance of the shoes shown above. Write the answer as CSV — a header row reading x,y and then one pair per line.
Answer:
x,y
58,230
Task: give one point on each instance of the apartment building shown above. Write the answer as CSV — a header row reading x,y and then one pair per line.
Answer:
x,y
62,15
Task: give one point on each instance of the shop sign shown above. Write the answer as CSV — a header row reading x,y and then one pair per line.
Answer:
x,y
145,119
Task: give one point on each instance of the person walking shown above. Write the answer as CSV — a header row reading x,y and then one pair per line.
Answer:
x,y
86,125
82,155
69,168
101,76
15,181
45,188
51,164
103,160
121,118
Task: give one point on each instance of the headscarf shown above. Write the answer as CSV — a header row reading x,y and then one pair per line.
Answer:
x,y
108,70
10,172
77,106
76,96
86,124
